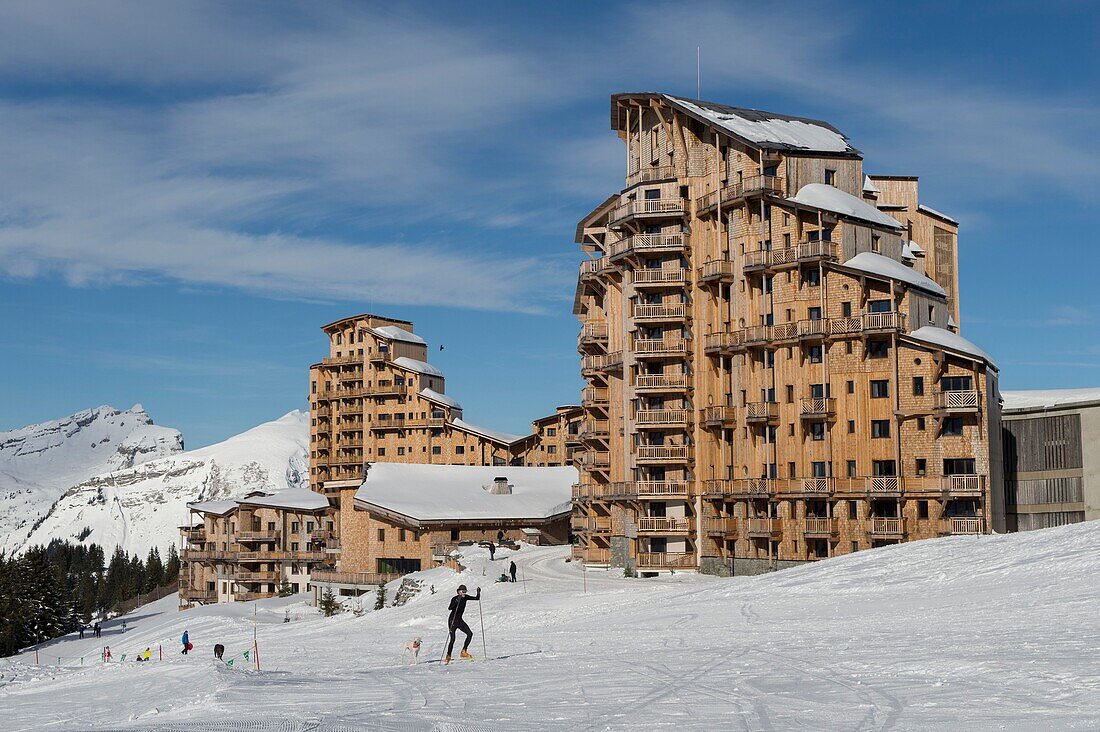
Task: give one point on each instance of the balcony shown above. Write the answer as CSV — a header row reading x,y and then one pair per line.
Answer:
x,y
248,596
647,244
659,313
819,527
352,578
386,389
818,486
595,429
963,525
661,418
648,489
723,343
651,174
342,360
593,334
645,347
592,555
666,560
647,208
726,526
663,454
663,524
595,460
659,278
719,416
753,185
719,270
761,411
958,402
888,528
964,486
883,322
660,382
883,485
764,527
249,536
345,459
816,328
591,268
193,595
594,396
599,363
424,424
380,357
788,256
242,575
815,408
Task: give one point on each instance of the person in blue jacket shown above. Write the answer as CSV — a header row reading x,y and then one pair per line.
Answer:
x,y
186,643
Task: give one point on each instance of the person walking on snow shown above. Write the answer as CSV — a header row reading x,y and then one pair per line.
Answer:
x,y
455,622
492,550
186,642
512,570
96,630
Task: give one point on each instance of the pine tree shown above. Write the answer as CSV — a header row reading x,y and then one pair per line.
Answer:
x,y
380,598
154,571
114,588
172,566
328,604
286,589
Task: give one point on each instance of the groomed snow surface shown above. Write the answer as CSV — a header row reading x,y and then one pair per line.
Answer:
x,y
960,633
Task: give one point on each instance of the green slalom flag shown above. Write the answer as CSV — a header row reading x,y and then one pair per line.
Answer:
x,y
229,662
246,655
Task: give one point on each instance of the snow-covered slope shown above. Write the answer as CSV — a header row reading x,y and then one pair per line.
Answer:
x,y
40,462
959,633
143,506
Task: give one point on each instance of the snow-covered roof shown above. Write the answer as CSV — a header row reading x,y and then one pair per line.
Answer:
x,y
876,264
769,130
869,185
828,198
951,321
934,212
907,251
393,333
420,367
915,248
435,396
1049,398
498,436
296,499
457,492
218,508
951,341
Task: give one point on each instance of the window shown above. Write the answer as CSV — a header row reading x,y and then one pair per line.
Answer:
x,y
920,424
848,347
460,450
879,306
880,428
767,285
815,354
772,170
792,470
790,394
878,349
551,431
830,176
309,526
958,466
851,387
853,508
880,389
813,277
454,534
846,309
884,468
918,386
437,450
293,546
818,468
952,426
381,535
653,194
817,431
922,466
922,509
551,449
400,451
401,535
381,452
855,546
815,313
294,527
956,383
876,243
851,426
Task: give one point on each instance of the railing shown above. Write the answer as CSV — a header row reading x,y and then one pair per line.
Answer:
x,y
964,484
888,526
594,332
817,485
752,184
601,361
647,207
818,406
766,526
322,535
358,459
597,555
647,175
258,535
653,346
662,523
818,526
967,400
380,357
884,321
757,411
647,243
193,595
723,340
592,395
666,560
720,525
441,551
247,596
244,576
883,484
659,312
719,415
811,328
657,488
661,416
592,267
595,428
386,390
661,381
964,525
663,452
353,578
818,249
593,459
717,269
427,423
659,276
341,360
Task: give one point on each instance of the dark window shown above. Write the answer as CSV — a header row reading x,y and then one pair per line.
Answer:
x,y
460,450
813,277
817,430
880,389
956,383
652,194
852,469
772,170
818,468
879,306
815,354
920,424
922,466
851,387
815,313
952,426
437,450
851,426
846,309
880,428
883,468
958,466
830,176
918,386
381,535
878,349
853,508
454,534
398,566
922,509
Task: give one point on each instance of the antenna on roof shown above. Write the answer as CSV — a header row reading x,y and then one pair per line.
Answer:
x,y
698,72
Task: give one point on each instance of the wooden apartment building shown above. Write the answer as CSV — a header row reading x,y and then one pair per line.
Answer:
x,y
770,340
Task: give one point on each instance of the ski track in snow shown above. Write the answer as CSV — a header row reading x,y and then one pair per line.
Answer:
x,y
975,633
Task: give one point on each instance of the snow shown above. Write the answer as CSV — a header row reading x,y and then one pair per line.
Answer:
x,y
143,506
420,367
1049,398
295,499
435,396
876,264
934,212
438,492
828,198
915,248
505,437
394,333
40,462
768,129
951,341
217,508
869,185
959,633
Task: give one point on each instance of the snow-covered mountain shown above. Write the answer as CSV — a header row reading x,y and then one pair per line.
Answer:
x,y
144,505
39,463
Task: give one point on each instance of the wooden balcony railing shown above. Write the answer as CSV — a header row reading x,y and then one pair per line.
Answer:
x,y
341,360
664,277
883,484
763,526
661,417
602,362
967,400
659,382
964,485
595,459
659,347
592,396
719,416
751,185
595,429
246,576
666,560
718,270
816,328
663,523
594,333
650,174
817,407
884,322
646,208
260,535
352,578
764,258
819,526
817,485
964,525
663,453
673,311
592,555
888,526
720,525
761,411
647,244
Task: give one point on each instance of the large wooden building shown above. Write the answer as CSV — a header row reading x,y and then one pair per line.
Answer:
x,y
770,339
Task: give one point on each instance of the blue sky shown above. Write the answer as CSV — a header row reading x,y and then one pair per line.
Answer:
x,y
188,191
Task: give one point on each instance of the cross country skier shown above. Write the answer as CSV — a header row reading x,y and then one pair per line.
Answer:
x,y
455,622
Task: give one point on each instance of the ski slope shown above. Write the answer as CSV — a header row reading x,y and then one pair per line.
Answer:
x,y
974,633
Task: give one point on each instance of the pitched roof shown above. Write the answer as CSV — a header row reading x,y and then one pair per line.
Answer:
x,y
834,200
435,396
938,214
951,341
420,367
506,438
393,333
876,264
295,499
1049,398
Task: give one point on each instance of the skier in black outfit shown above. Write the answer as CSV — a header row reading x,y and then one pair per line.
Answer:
x,y
512,570
455,622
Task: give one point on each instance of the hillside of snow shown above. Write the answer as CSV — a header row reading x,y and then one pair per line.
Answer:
x,y
143,506
40,462
959,633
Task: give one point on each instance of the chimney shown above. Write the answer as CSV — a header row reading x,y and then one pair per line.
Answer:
x,y
501,487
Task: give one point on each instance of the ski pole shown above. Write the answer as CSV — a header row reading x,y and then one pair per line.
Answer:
x,y
484,652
